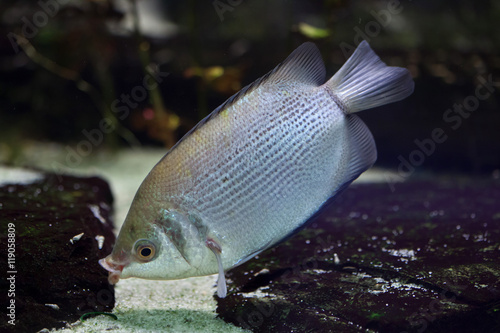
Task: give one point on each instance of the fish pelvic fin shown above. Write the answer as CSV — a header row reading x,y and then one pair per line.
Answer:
x,y
221,280
365,81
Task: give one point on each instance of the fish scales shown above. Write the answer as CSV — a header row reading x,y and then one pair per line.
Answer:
x,y
292,151
256,169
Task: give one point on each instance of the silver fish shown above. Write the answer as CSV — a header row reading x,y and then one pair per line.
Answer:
x,y
256,169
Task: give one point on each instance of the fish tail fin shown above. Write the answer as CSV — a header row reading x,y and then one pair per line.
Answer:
x,y
365,81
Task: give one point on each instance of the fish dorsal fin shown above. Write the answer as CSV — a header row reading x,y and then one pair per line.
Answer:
x,y
304,66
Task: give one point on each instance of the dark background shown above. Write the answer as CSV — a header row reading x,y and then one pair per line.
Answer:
x,y
81,56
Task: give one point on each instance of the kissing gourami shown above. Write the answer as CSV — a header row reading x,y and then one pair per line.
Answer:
x,y
256,169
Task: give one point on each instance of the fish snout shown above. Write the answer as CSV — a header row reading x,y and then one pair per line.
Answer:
x,y
114,269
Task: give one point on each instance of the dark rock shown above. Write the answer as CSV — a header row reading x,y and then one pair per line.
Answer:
x,y
422,258
56,280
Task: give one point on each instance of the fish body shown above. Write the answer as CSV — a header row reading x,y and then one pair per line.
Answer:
x,y
256,169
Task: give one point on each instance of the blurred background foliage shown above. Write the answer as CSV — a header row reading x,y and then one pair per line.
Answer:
x,y
66,65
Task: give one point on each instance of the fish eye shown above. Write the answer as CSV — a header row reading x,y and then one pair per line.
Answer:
x,y
144,250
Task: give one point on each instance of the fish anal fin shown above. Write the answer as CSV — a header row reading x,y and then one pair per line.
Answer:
x,y
362,149
362,155
221,280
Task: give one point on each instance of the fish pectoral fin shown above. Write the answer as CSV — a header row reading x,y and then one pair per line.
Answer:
x,y
221,280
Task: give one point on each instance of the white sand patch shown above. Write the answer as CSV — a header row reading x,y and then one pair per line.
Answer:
x,y
11,175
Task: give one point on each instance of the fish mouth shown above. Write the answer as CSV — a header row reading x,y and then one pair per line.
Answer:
x,y
114,269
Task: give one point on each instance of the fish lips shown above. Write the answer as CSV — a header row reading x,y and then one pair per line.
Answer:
x,y
114,269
